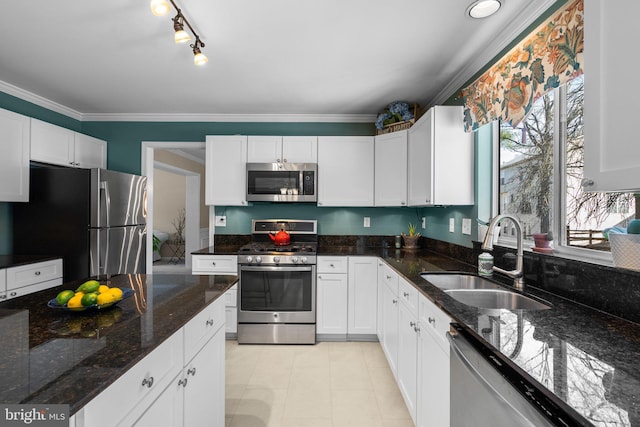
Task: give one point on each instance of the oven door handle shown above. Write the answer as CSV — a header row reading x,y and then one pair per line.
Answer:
x,y
275,268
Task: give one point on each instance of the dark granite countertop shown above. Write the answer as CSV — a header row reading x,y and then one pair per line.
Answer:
x,y
8,261
55,356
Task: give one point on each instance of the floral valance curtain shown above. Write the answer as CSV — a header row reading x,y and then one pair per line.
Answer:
x,y
548,58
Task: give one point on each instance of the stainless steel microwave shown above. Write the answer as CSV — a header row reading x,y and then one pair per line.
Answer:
x,y
282,182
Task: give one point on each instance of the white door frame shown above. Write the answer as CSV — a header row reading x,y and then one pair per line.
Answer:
x,y
192,228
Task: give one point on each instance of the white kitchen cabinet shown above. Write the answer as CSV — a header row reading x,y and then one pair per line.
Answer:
x,y
282,149
214,264
14,161
390,302
3,284
231,312
611,152
345,170
59,146
331,319
28,278
391,169
408,356
440,159
433,366
363,296
381,284
225,170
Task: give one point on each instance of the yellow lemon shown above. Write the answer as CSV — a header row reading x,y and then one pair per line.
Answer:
x,y
103,288
117,293
76,302
106,298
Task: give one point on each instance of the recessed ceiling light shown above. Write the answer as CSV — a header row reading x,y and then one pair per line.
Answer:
x,y
483,8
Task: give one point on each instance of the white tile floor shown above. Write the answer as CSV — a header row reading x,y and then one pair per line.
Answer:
x,y
330,384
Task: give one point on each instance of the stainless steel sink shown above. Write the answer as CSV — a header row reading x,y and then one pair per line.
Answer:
x,y
495,299
447,281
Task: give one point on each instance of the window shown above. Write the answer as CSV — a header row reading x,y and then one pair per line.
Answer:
x,y
541,170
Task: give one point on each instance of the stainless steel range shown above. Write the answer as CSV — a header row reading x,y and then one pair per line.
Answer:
x,y
277,283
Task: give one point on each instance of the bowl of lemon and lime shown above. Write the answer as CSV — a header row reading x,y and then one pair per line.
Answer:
x,y
89,295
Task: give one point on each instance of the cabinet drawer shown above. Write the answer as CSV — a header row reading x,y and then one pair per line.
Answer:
x,y
3,285
25,290
231,297
221,264
202,327
434,321
408,295
333,264
138,387
390,278
30,274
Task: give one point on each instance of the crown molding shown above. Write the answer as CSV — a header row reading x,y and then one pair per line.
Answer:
x,y
281,118
526,17
25,95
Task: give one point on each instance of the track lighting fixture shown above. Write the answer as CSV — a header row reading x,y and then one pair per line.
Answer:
x,y
161,8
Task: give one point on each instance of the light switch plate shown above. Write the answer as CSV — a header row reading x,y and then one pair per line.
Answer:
x,y
452,225
466,226
367,221
424,223
221,220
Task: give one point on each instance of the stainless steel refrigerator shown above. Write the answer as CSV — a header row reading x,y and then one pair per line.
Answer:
x,y
95,219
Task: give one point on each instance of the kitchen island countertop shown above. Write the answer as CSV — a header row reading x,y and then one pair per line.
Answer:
x,y
56,356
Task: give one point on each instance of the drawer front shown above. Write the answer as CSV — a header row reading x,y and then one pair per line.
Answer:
x,y
3,285
202,327
338,264
231,297
30,274
208,264
139,386
390,278
25,290
408,295
434,321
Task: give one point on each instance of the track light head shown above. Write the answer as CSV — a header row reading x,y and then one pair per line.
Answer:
x,y
199,58
160,7
180,36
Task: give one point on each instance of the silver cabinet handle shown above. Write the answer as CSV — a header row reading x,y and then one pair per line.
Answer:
x,y
191,371
320,277
395,301
183,382
412,324
148,382
388,277
432,320
13,294
210,322
586,182
406,294
37,273
213,263
277,160
416,329
332,266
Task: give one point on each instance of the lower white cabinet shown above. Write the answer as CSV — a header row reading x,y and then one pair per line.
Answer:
x,y
363,295
231,312
389,340
332,297
407,368
433,366
28,278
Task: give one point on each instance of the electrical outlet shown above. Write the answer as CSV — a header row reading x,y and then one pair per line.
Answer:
x,y
466,226
221,220
424,223
452,225
367,221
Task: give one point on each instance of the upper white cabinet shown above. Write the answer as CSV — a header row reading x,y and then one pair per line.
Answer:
x,y
611,151
282,149
440,159
391,169
225,171
345,170
57,145
14,161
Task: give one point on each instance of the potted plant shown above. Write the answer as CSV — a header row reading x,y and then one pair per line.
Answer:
x,y
542,242
411,239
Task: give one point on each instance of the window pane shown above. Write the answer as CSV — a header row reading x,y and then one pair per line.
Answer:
x,y
526,169
588,213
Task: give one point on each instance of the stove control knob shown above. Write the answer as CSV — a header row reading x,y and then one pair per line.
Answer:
x,y
294,259
304,259
249,259
258,259
276,259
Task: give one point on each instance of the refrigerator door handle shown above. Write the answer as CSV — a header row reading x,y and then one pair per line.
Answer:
x,y
104,186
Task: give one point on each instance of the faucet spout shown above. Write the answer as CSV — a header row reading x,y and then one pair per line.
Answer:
x,y
518,274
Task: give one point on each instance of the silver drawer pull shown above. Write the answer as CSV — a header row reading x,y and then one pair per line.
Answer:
x,y
183,382
37,273
406,294
13,294
432,320
412,324
395,301
209,322
213,263
417,329
191,371
147,382
388,277
332,266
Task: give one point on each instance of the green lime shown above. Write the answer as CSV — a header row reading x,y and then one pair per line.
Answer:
x,y
64,296
89,299
89,286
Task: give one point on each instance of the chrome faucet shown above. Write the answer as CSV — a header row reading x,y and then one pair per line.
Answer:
x,y
518,274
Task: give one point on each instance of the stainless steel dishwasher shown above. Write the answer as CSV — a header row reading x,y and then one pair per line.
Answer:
x,y
486,392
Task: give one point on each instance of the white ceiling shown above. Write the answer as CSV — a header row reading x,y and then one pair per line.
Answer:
x,y
112,59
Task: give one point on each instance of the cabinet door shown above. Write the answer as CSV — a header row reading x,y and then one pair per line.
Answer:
x,y
381,284
52,144
90,152
264,149
363,295
332,304
167,409
205,389
407,357
433,381
226,171
3,285
391,169
611,152
420,161
14,161
345,171
300,149
390,328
